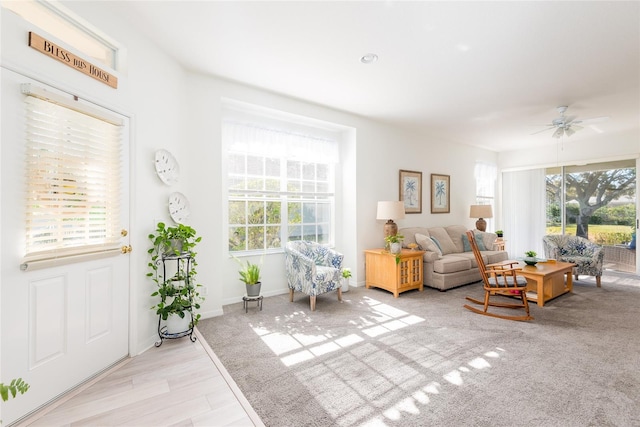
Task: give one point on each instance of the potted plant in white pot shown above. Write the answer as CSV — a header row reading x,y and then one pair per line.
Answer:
x,y
346,274
176,286
250,275
395,243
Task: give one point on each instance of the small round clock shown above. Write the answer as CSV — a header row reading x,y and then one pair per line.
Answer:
x,y
167,167
179,208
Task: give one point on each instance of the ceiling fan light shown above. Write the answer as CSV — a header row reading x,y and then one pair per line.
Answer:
x,y
569,131
558,133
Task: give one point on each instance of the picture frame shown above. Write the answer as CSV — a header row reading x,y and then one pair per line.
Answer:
x,y
440,193
411,191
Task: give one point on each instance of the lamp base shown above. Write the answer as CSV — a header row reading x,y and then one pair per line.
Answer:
x,y
481,225
390,228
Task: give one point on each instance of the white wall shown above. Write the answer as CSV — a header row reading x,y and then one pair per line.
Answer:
x,y
585,146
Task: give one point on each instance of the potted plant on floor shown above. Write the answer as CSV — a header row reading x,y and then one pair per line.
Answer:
x,y
250,275
346,274
173,269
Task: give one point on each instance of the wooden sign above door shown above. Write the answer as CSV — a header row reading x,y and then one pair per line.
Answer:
x,y
56,52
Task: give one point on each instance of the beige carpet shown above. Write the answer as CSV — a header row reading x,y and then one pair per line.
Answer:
x,y
422,359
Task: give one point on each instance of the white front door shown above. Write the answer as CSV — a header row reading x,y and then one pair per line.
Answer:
x,y
61,324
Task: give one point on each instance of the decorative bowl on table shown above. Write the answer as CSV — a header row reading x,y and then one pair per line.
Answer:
x,y
530,260
412,246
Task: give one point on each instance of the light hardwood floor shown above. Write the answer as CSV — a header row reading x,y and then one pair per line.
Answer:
x,y
179,383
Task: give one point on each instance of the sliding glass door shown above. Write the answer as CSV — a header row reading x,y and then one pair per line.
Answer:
x,y
598,202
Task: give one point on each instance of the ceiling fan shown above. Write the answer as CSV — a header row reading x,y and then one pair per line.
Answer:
x,y
568,125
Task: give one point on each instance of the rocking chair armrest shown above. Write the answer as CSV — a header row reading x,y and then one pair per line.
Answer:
x,y
508,262
510,272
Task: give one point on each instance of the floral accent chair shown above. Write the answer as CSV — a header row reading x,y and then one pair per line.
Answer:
x,y
313,269
588,256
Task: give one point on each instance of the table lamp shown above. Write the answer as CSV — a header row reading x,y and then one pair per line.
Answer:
x,y
390,210
481,212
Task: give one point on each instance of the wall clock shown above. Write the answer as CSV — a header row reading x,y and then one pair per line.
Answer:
x,y
167,167
179,208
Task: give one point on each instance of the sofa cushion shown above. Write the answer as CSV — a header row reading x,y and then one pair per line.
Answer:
x,y
471,257
427,244
488,239
491,257
446,244
451,264
455,232
410,232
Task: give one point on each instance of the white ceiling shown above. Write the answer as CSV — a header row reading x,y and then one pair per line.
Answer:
x,y
480,73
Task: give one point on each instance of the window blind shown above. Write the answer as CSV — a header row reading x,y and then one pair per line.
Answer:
x,y
73,181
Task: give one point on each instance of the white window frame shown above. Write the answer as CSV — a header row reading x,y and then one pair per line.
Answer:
x,y
315,190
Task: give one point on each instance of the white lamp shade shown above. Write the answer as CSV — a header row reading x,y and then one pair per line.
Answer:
x,y
480,211
390,210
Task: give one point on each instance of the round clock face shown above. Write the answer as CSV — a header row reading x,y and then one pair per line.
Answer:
x,y
167,167
179,207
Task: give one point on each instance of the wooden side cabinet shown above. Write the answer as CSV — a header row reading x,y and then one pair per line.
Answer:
x,y
383,272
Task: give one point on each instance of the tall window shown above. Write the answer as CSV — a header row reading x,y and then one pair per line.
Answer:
x,y
73,177
486,174
280,185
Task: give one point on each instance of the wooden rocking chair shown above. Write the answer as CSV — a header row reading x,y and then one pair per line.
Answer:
x,y
499,279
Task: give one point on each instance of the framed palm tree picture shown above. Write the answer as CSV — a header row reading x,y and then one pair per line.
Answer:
x,y
411,191
440,196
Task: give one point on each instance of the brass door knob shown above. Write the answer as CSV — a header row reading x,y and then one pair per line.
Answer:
x,y
124,232
126,249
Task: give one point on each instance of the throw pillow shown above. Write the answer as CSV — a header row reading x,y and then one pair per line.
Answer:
x,y
427,244
437,243
479,243
465,243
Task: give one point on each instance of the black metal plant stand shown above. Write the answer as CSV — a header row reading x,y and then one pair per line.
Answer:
x,y
183,263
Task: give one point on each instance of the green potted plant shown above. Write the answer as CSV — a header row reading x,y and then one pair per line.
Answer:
x,y
250,275
394,243
178,291
499,233
346,274
530,258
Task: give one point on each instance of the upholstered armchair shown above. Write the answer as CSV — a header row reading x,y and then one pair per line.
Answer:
x,y
313,269
586,255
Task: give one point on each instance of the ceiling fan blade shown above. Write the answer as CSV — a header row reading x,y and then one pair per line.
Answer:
x,y
592,120
558,133
543,130
569,131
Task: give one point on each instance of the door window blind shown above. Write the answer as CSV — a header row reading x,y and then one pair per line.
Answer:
x,y
73,180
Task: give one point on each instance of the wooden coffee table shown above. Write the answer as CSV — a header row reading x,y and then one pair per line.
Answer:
x,y
546,280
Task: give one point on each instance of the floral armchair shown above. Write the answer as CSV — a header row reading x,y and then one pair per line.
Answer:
x,y
313,269
586,255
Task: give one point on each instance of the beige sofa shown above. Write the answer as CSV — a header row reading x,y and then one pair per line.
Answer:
x,y
455,266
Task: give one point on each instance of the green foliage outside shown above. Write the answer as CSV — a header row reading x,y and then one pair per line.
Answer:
x,y
600,234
